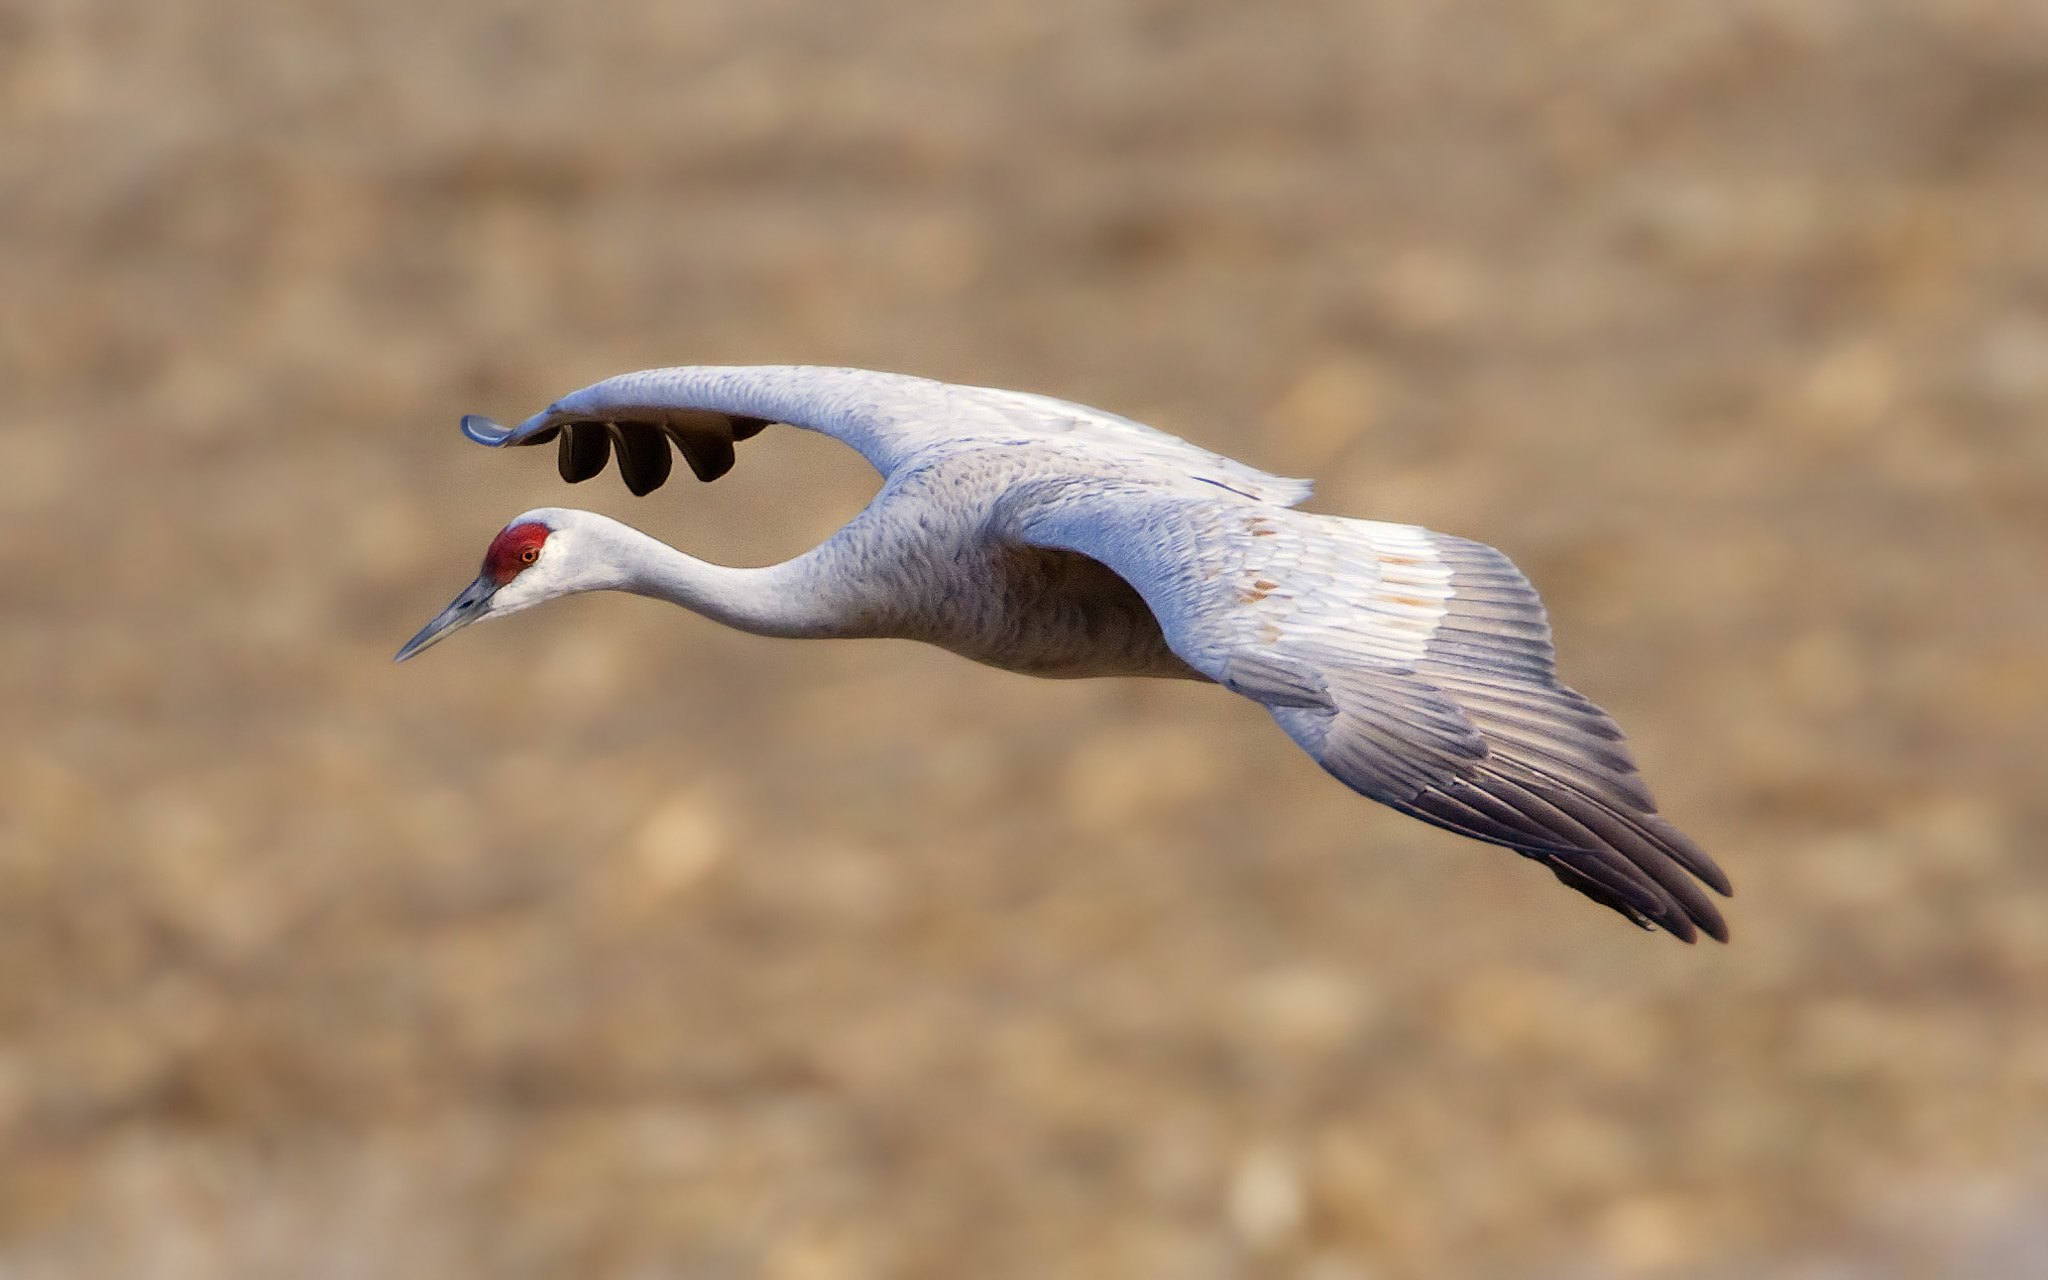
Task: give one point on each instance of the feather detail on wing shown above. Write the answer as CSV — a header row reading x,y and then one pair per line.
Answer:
x,y
641,434
1417,668
891,419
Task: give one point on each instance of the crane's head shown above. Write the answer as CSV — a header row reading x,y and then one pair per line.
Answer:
x,y
530,561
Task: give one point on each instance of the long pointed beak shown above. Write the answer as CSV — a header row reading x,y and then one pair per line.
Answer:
x,y
467,608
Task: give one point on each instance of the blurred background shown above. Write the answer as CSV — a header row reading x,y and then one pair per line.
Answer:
x,y
605,943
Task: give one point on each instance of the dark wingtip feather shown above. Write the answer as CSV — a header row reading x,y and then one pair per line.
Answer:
x,y
1677,924
586,447
642,436
1687,854
644,459
710,456
1524,814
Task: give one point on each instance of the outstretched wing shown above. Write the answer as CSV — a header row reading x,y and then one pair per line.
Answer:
x,y
890,418
1415,667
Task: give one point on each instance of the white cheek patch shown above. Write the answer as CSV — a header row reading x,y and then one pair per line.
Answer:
x,y
536,584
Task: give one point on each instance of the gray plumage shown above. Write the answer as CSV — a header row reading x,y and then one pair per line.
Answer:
x,y
1057,540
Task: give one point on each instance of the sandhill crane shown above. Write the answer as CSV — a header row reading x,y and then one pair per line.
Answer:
x,y
1053,539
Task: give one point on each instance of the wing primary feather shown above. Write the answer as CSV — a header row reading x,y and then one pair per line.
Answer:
x,y
586,447
1607,872
708,450
1647,858
1369,762
644,459
1615,784
1461,809
1567,834
1601,843
1531,707
1689,855
1621,887
1578,881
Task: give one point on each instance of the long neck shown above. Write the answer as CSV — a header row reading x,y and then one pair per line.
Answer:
x,y
794,599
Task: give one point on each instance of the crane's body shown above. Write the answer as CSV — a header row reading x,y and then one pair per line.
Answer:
x,y
1055,540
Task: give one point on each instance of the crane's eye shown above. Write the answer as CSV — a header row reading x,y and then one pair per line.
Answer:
x,y
529,555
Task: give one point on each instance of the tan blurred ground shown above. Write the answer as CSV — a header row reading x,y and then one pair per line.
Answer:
x,y
604,943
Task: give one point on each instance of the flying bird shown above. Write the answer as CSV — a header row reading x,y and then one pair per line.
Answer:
x,y
1056,540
